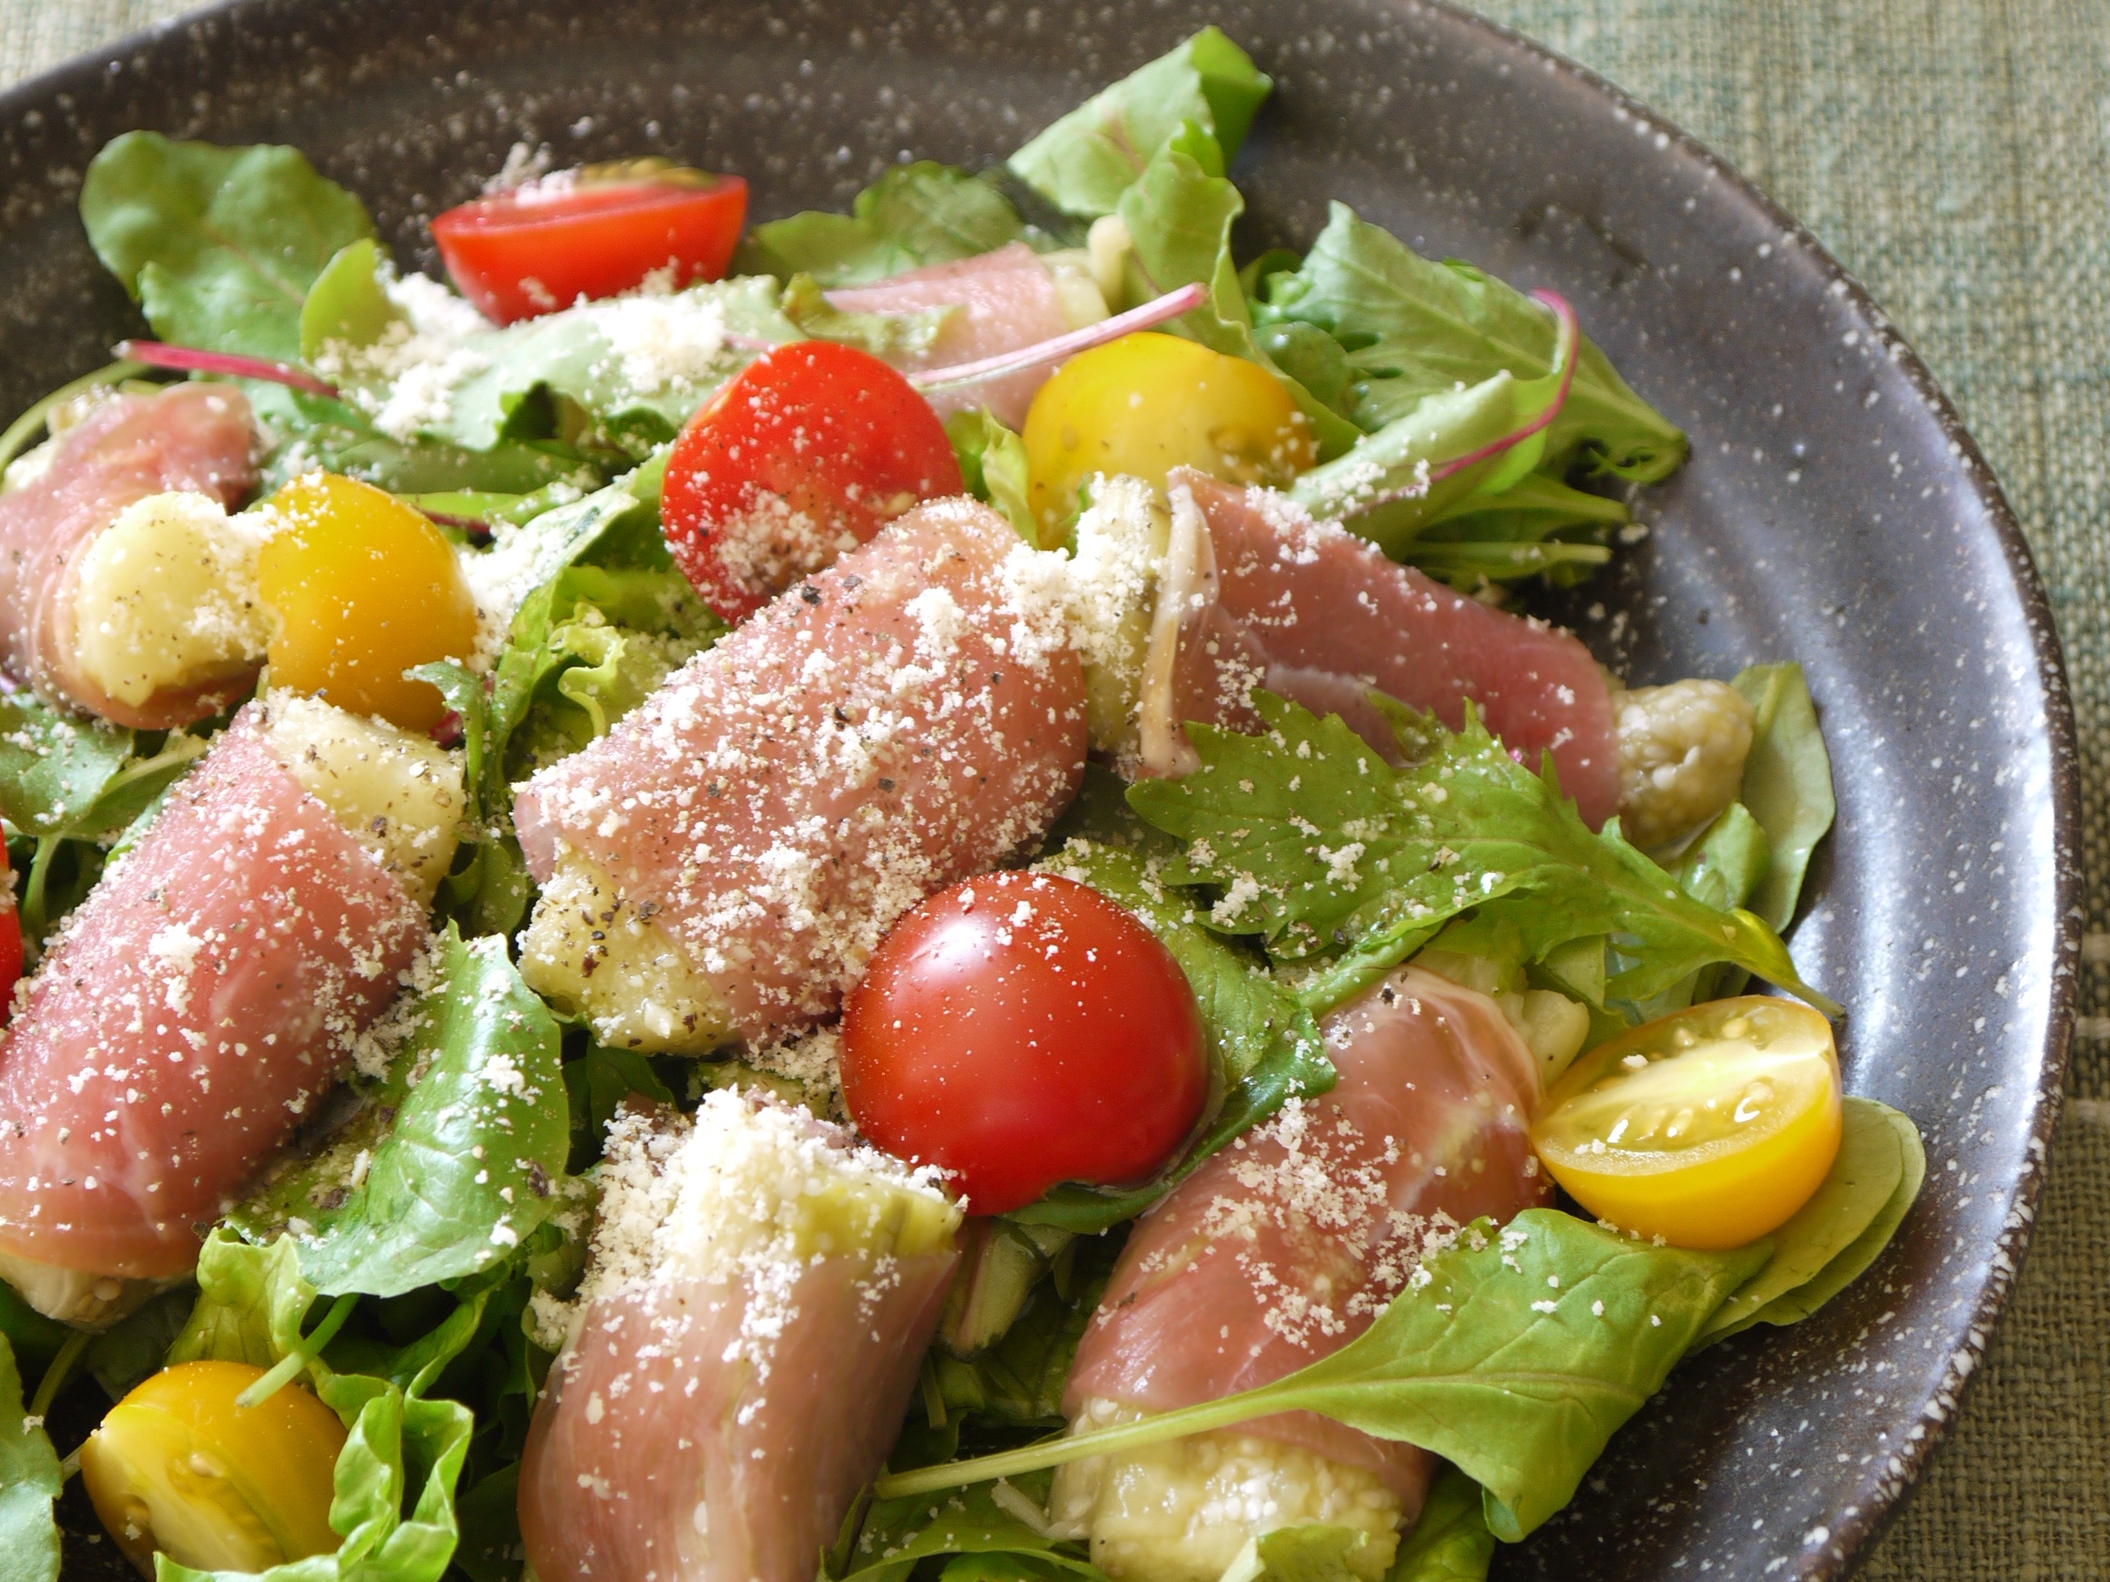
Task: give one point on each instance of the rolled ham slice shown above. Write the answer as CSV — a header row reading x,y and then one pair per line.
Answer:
x,y
1007,300
1257,594
727,1390
191,437
200,999
1282,1248
896,723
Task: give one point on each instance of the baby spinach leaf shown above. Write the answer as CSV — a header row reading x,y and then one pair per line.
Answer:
x,y
1514,1353
219,245
993,466
915,214
984,1519
1862,1182
1787,782
1314,842
403,1445
1847,1265
1179,214
29,1483
1413,328
1084,162
458,1155
1263,1045
1450,1541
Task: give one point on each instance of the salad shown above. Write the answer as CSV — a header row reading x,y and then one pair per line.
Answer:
x,y
896,894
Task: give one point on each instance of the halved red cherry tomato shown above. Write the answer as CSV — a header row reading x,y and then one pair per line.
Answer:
x,y
808,452
592,232
1019,1030
10,939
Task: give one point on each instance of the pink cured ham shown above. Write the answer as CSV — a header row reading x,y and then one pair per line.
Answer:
x,y
652,1457
888,727
199,999
1006,300
196,437
1267,597
1283,1248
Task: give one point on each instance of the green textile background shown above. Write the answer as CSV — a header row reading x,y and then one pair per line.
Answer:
x,y
1955,154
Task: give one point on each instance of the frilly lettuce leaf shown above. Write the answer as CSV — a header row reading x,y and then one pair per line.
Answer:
x,y
993,466
1313,842
914,214
1085,162
1413,328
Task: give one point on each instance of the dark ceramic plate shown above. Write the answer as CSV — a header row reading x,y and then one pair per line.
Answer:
x,y
1834,511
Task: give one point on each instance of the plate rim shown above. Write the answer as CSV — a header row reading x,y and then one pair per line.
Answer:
x,y
1853,1535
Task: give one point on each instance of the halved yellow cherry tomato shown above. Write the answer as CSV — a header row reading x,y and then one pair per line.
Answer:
x,y
362,588
178,1467
1707,1127
1148,403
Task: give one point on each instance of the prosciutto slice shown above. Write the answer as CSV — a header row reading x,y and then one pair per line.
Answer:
x,y
896,723
1258,594
206,992
690,1468
195,437
1006,300
1282,1249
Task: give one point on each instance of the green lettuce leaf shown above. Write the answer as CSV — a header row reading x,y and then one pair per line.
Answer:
x,y
458,1155
402,1444
35,1338
1413,328
1787,783
915,214
1264,1045
1514,1353
993,466
29,1483
1179,213
218,245
1088,159
1315,843
1450,1541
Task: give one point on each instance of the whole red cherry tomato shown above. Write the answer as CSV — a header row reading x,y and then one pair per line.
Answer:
x,y
593,232
809,451
10,939
1020,1030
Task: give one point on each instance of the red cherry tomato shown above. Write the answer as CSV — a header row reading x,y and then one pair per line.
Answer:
x,y
809,451
1020,1030
544,245
10,940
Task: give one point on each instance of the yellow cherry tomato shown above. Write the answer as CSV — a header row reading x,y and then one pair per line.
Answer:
x,y
1707,1127
1148,403
362,588
177,1466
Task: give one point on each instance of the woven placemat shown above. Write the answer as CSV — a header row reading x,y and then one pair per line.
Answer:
x,y
1955,155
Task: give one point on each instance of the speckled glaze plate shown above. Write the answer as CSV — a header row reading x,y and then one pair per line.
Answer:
x,y
1834,511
